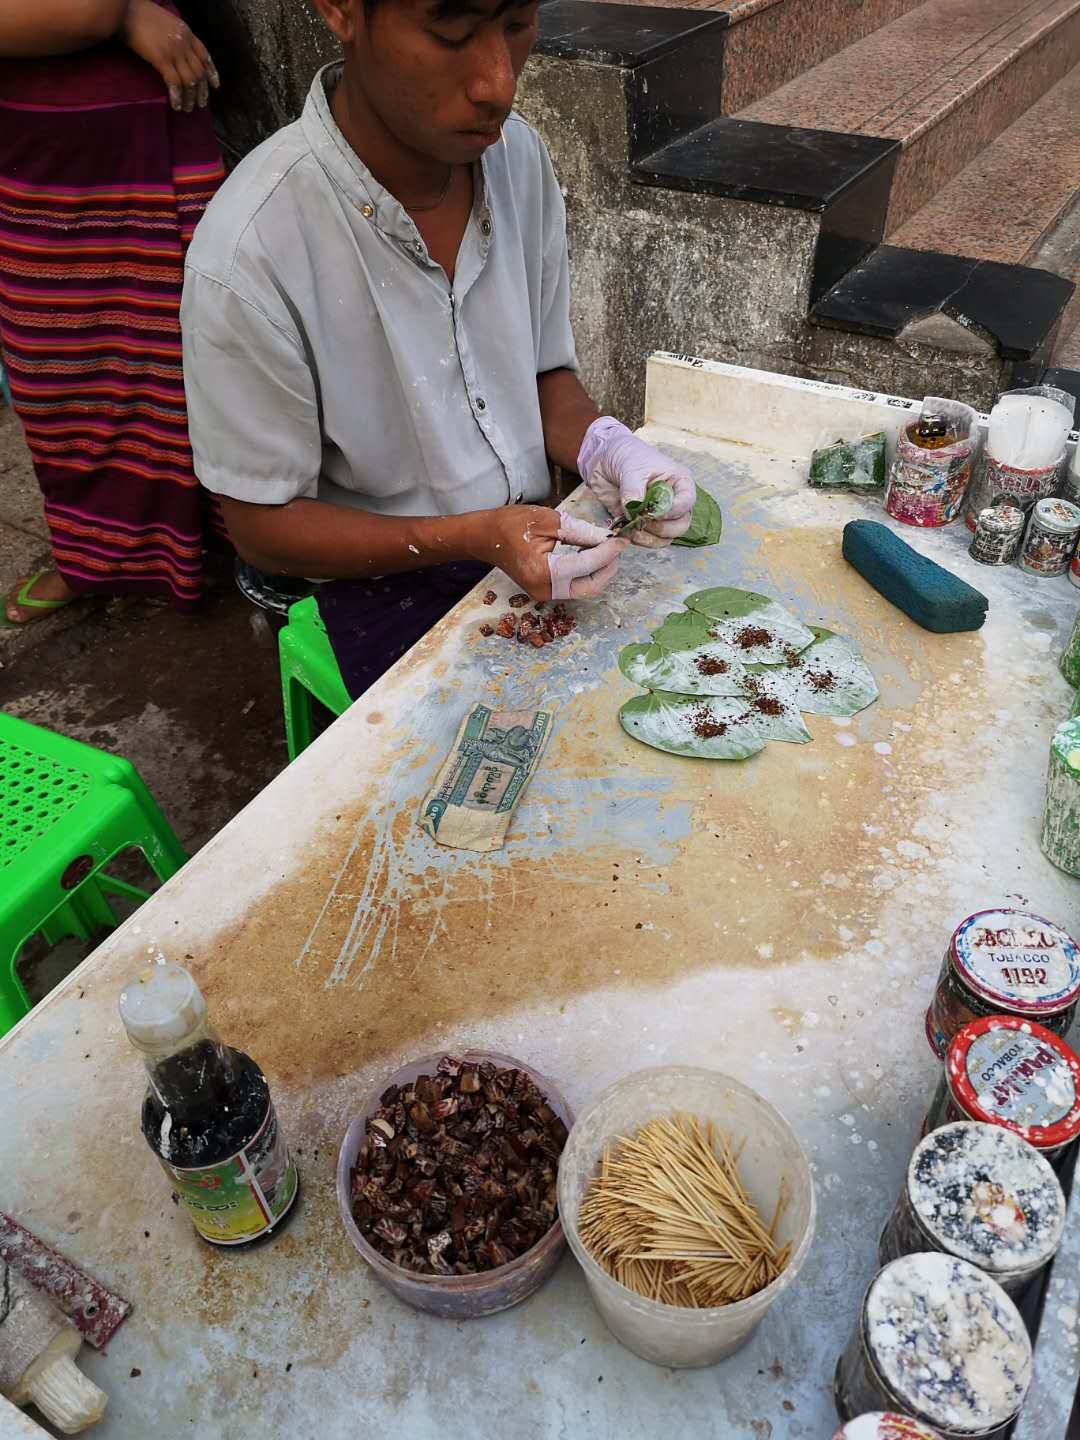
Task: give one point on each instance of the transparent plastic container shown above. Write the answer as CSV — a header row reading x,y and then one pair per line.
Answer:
x,y
772,1156
453,1297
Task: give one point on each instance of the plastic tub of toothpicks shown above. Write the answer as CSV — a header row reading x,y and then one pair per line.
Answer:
x,y
684,1283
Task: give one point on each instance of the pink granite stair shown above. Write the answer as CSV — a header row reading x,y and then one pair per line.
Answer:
x,y
944,79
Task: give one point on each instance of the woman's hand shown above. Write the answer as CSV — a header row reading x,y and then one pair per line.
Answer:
x,y
520,540
180,58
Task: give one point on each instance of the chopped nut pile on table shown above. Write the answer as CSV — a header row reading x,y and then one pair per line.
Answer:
x,y
537,627
457,1172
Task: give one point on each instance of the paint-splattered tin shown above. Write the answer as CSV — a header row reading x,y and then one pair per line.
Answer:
x,y
886,1425
1002,1070
1005,962
998,533
1050,538
998,484
940,1341
927,485
984,1195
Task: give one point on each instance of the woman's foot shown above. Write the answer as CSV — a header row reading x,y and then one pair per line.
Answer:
x,y
48,588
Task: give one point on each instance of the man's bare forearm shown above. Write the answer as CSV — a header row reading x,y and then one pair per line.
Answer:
x,y
566,413
322,541
56,27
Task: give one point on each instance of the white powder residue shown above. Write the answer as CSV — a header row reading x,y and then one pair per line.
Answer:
x,y
948,1342
165,1138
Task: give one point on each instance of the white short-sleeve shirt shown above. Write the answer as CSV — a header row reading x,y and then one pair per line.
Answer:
x,y
325,354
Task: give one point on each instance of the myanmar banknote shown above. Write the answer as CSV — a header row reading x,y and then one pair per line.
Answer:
x,y
481,780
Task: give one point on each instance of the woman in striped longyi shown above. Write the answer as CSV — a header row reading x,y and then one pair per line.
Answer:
x,y
107,160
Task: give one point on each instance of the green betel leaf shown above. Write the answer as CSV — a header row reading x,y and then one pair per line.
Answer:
x,y
830,677
682,672
706,523
705,728
657,501
769,696
760,631
682,630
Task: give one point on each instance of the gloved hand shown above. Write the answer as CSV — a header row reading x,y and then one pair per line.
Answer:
x,y
581,574
618,467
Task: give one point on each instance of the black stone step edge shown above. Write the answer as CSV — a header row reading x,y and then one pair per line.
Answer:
x,y
672,62
1017,306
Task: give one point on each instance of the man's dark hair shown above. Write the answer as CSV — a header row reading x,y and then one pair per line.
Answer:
x,y
453,9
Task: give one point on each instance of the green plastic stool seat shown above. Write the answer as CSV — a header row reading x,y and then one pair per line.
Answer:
x,y
308,668
66,810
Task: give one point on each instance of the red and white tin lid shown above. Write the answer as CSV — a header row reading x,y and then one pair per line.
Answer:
x,y
1004,1070
885,1425
1017,961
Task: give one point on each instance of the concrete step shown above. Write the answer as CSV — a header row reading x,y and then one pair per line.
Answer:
x,y
944,80
1012,195
770,42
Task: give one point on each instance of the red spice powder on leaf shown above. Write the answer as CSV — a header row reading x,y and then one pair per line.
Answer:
x,y
751,635
821,680
707,665
768,705
706,725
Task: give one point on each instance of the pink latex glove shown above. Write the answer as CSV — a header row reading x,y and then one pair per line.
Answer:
x,y
618,467
581,574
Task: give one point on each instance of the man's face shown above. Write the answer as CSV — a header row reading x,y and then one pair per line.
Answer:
x,y
442,80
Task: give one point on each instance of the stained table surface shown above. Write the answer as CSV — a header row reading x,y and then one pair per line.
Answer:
x,y
781,919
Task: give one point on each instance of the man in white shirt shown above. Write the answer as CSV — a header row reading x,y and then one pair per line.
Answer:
x,y
377,348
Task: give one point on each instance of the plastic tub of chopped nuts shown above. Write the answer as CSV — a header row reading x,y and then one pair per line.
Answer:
x,y
447,1182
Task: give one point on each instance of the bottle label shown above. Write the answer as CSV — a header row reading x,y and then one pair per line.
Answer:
x,y
238,1199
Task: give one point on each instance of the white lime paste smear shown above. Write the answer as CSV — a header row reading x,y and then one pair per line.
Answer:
x,y
948,1342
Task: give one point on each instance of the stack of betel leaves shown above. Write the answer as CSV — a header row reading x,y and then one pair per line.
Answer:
x,y
734,670
706,522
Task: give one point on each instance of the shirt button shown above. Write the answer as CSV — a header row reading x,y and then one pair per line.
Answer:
x,y
481,403
367,211
485,227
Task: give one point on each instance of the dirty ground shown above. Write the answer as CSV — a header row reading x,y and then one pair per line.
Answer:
x,y
193,703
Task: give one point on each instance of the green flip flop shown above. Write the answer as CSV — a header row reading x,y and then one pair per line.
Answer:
x,y
27,601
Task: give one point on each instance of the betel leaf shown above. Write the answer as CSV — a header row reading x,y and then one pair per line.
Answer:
x,y
682,630
654,504
683,672
830,677
705,728
762,631
768,695
706,522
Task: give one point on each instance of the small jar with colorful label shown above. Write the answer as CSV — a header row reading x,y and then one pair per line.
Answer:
x,y
938,1340
208,1115
1005,962
1001,1070
983,1194
998,533
1050,538
886,1425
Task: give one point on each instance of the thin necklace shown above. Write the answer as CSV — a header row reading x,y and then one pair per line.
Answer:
x,y
433,204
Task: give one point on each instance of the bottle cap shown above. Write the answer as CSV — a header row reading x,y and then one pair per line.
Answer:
x,y
160,1005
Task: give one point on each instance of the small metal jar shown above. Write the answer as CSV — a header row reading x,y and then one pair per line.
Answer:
x,y
1005,962
984,1195
1002,1070
940,1341
998,532
1050,538
885,1425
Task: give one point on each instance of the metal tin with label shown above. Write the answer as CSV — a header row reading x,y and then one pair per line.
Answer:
x,y
1050,538
983,1194
940,1341
1005,962
998,532
1003,1070
886,1425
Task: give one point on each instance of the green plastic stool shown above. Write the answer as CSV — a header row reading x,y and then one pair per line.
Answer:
x,y
66,810
308,668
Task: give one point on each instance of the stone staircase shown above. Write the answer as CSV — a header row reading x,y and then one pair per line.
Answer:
x,y
872,191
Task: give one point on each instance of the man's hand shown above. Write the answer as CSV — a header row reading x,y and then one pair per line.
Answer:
x,y
180,58
618,467
521,540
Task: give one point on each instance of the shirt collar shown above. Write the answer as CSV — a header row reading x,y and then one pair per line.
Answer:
x,y
351,175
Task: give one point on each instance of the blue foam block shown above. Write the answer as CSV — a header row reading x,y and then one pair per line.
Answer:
x,y
933,597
